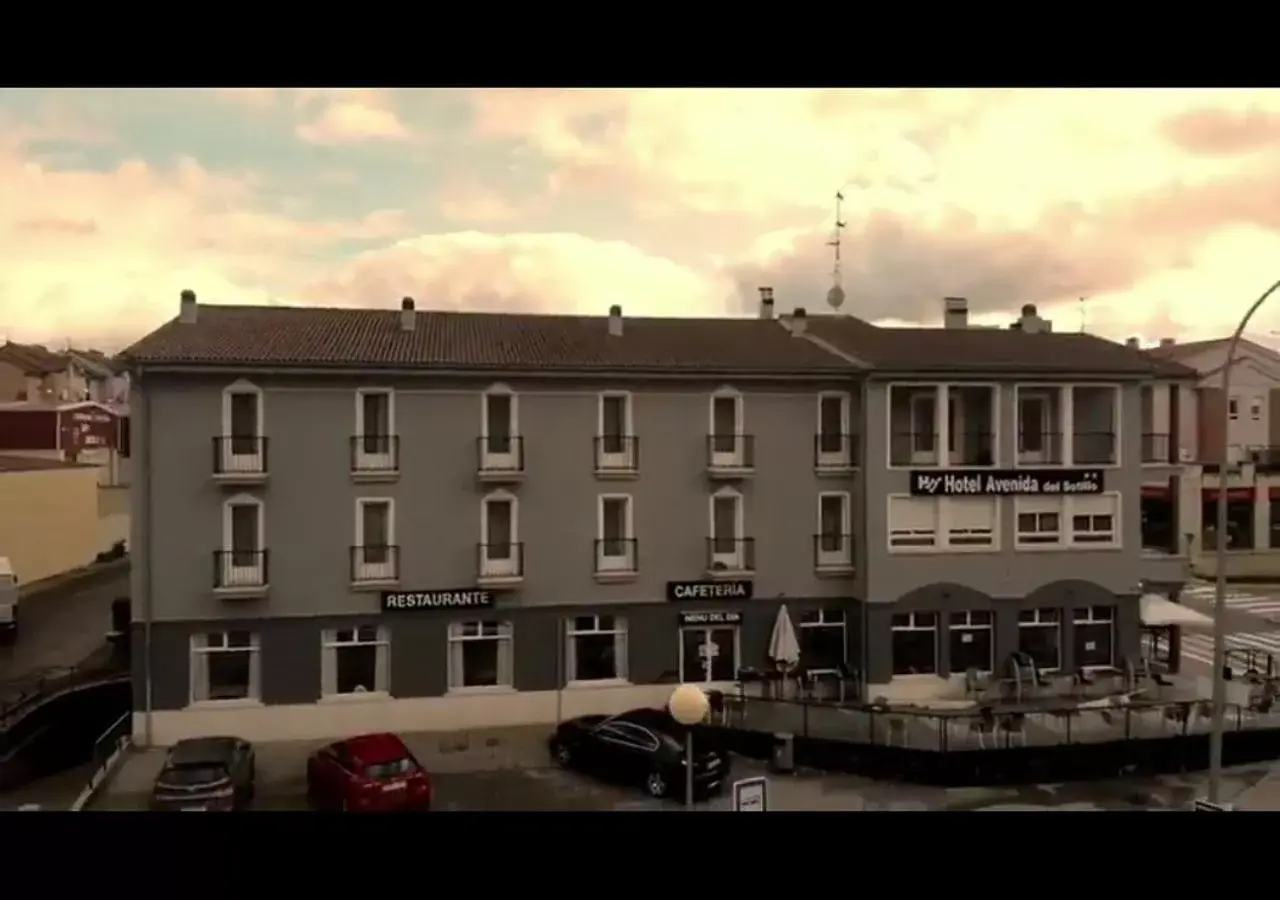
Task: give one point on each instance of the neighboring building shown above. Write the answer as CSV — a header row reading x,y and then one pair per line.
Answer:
x,y
355,519
83,432
31,372
106,384
49,520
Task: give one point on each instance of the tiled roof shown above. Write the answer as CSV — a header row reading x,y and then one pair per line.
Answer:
x,y
986,350
291,336
32,358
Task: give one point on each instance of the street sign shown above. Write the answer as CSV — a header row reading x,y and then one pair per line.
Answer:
x,y
1206,806
751,795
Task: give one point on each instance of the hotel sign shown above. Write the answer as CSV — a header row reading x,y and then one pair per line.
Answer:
x,y
458,598
1004,482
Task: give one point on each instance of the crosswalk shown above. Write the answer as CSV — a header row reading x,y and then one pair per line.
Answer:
x,y
1236,599
1198,646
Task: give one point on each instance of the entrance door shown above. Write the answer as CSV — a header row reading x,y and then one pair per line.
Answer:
x,y
708,655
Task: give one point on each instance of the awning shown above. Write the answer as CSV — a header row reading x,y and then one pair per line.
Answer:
x,y
1157,610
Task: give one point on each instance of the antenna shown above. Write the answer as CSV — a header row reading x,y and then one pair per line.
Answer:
x,y
835,296
1083,318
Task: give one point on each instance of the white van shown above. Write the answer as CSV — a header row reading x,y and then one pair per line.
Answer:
x,y
8,602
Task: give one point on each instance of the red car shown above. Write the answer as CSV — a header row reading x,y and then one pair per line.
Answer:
x,y
369,773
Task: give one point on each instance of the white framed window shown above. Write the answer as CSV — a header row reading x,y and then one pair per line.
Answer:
x,y
225,666
915,643
375,429
243,560
1038,521
615,437
243,446
355,661
1255,409
1233,408
500,428
1040,637
1093,637
913,522
726,530
924,425
1095,519
822,638
1037,437
375,552
596,649
970,635
500,548
615,535
972,522
834,441
835,538
480,655
727,428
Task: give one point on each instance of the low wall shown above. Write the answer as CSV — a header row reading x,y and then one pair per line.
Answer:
x,y
1241,565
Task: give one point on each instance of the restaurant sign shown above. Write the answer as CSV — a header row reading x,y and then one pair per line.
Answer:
x,y
736,589
1004,482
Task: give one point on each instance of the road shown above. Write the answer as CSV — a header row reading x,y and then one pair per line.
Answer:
x,y
1253,622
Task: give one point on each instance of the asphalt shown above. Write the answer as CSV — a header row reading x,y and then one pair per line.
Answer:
x,y
1252,621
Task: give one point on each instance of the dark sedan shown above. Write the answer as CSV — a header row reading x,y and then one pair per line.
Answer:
x,y
644,747
212,774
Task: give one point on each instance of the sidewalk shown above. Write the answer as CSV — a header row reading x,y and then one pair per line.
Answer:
x,y
1262,797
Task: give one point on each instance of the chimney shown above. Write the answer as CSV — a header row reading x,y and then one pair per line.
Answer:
x,y
187,308
408,318
615,321
1030,320
1132,343
766,303
955,312
1167,342
799,319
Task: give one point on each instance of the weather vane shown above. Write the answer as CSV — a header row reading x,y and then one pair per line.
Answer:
x,y
835,296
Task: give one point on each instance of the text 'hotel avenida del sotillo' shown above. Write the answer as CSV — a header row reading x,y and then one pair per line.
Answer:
x,y
350,520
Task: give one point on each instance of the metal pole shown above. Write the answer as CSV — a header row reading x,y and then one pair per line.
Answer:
x,y
688,769
1220,561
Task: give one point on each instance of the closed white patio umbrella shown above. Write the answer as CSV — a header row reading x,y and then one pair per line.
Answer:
x,y
784,647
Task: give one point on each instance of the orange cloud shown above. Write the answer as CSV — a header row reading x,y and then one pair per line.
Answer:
x,y
354,116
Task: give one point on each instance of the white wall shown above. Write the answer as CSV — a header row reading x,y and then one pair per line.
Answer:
x,y
1256,372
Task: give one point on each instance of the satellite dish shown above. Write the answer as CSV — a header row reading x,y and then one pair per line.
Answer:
x,y
835,297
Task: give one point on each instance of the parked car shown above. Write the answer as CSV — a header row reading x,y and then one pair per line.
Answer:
x,y
369,773
211,774
644,747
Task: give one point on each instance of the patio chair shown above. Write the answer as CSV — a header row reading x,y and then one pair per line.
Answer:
x,y
1014,727
974,682
897,732
984,726
716,707
1177,715
748,677
848,681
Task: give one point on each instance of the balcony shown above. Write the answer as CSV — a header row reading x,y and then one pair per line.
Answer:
x,y
971,448
835,454
731,456
1093,448
375,457
617,457
729,557
617,560
1039,448
375,565
833,554
500,565
240,573
1155,448
500,459
913,448
240,460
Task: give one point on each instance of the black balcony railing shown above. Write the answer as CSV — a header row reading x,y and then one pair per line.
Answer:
x,y
241,568
504,559
913,448
1039,447
1091,448
617,453
832,551
835,451
375,453
731,451
1155,448
971,448
729,554
375,562
617,555
240,455
497,453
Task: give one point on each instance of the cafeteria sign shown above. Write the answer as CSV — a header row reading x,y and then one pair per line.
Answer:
x,y
1004,482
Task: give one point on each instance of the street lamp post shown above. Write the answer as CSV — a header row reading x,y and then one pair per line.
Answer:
x,y
688,706
1220,560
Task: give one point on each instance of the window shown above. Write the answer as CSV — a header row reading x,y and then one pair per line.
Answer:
x,y
915,644
242,446
1093,519
727,443
1093,636
1040,637
971,521
1034,427
834,445
971,644
835,543
1233,408
728,547
224,666
499,427
822,639
709,655
354,661
243,560
1039,521
479,655
374,428
1255,409
375,551
913,522
596,649
615,429
924,423
615,546
499,536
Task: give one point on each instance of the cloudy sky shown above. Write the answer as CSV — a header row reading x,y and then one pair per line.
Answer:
x,y
1160,207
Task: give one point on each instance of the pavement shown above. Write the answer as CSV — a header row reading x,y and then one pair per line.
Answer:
x,y
1253,622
